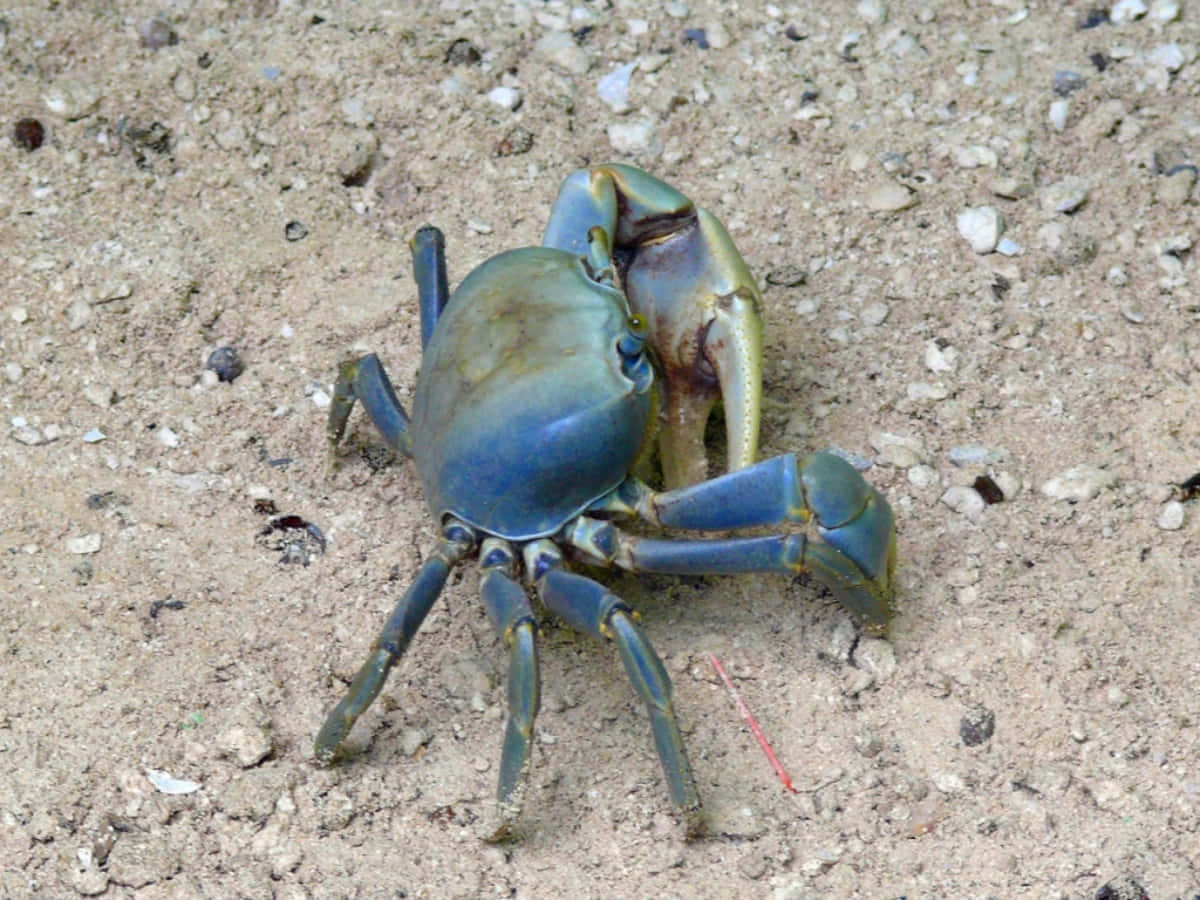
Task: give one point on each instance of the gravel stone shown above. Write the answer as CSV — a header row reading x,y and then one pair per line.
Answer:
x,y
1082,482
1171,516
891,196
1125,11
1065,196
977,726
635,138
559,49
981,226
505,97
963,500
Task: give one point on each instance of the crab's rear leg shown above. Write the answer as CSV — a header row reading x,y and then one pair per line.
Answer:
x,y
590,607
393,639
849,545
512,617
364,379
682,272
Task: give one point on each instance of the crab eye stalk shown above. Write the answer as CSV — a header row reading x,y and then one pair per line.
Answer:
x,y
632,349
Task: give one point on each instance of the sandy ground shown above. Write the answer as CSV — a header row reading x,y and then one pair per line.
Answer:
x,y
253,184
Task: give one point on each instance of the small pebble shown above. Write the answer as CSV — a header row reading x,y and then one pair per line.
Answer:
x,y
156,33
1125,11
462,53
559,49
940,359
1124,887
923,476
1010,188
1059,111
695,36
1170,518
899,450
167,437
505,97
963,500
1164,10
1064,196
977,726
1008,247
613,88
875,313
93,436
295,231
873,12
890,196
634,138
479,227
1082,482
981,226
226,362
1066,82
19,314
923,392
1170,56
84,544
28,134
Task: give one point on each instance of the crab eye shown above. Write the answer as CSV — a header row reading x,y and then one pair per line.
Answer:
x,y
638,325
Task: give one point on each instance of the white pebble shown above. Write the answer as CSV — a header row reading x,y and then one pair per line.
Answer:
x,y
505,97
974,455
1082,482
479,227
890,196
1125,11
899,450
13,371
1170,56
873,12
1059,110
921,391
93,436
19,314
1065,196
875,313
1009,484
923,476
167,437
101,395
1171,516
963,500
613,88
559,48
84,544
980,226
635,137
637,27
939,359
1164,10
320,399
1008,247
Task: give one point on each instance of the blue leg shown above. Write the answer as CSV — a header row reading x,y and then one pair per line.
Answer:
x,y
365,379
589,607
850,547
393,640
512,617
429,269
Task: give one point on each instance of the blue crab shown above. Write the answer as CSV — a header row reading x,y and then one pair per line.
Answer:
x,y
537,397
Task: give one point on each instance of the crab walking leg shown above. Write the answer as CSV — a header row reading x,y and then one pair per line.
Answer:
x,y
682,272
429,270
590,607
365,379
393,640
512,617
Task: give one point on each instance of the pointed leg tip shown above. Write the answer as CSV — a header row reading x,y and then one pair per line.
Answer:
x,y
694,825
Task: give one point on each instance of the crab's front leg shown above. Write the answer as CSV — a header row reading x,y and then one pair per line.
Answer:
x,y
682,272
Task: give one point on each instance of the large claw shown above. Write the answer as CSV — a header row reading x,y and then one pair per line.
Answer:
x,y
682,272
